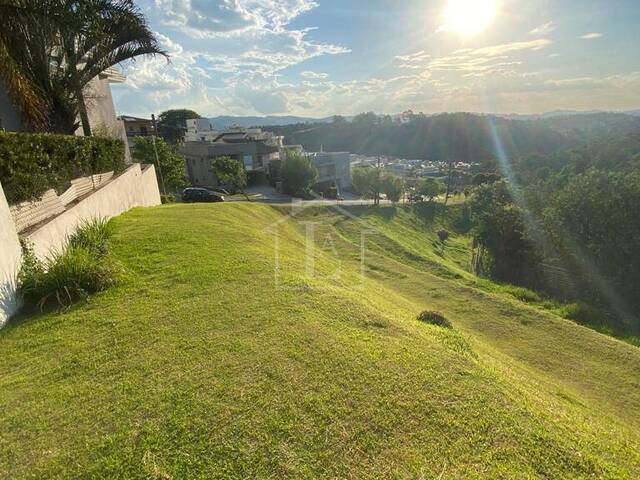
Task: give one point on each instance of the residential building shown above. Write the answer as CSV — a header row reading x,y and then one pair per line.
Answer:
x,y
333,167
136,127
200,130
252,147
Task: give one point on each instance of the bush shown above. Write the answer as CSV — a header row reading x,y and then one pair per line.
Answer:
x,y
31,164
443,235
93,235
81,269
168,198
434,318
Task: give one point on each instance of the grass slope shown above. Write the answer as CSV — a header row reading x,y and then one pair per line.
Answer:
x,y
197,366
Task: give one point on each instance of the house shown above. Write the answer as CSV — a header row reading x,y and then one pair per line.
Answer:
x,y
333,167
136,127
100,108
252,147
200,130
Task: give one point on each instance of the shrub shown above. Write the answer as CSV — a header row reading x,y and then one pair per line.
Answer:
x,y
81,269
94,235
167,198
522,294
434,318
443,235
31,164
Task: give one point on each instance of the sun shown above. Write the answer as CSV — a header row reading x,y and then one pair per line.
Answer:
x,y
469,17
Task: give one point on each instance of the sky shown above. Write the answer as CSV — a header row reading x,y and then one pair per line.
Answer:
x,y
317,58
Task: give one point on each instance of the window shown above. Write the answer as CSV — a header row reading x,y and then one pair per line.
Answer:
x,y
247,160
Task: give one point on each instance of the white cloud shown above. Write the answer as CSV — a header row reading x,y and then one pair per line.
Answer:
x,y
543,30
591,36
478,61
211,18
314,75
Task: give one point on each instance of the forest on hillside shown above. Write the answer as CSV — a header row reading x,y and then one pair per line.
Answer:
x,y
455,136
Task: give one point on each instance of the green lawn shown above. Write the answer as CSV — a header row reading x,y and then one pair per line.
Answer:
x,y
201,365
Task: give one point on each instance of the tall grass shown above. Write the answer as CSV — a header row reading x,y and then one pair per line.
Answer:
x,y
82,268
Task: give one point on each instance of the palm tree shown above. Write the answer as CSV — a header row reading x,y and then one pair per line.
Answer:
x,y
51,49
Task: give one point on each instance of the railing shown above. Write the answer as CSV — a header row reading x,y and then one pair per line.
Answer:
x,y
28,214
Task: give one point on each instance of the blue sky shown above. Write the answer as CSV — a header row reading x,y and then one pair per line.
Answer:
x,y
325,57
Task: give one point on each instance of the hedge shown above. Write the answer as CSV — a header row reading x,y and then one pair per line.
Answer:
x,y
31,164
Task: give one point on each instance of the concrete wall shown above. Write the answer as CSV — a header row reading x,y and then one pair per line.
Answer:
x,y
10,258
137,187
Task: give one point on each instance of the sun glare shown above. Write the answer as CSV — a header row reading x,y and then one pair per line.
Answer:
x,y
469,17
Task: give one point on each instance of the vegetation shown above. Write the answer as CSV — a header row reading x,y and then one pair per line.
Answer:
x,y
298,174
196,365
434,318
172,124
430,188
51,50
82,268
230,173
31,164
428,137
168,161
369,183
565,225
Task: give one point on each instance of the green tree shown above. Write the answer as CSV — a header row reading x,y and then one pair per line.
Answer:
x,y
172,124
503,248
298,174
392,187
51,50
169,164
230,172
430,188
362,180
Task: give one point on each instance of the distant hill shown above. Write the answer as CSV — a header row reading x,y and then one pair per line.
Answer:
x,y
459,136
227,121
586,127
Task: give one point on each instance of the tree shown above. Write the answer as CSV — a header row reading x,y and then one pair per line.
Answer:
x,y
230,172
363,181
430,188
392,187
172,124
51,50
169,164
298,174
504,249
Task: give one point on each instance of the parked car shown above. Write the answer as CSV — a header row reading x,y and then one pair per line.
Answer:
x,y
193,194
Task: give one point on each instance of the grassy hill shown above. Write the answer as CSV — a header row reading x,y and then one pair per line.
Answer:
x,y
233,350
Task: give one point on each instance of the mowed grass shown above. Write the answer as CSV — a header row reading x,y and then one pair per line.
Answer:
x,y
228,352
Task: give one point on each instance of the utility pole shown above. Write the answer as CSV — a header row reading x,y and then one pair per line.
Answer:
x,y
376,201
155,151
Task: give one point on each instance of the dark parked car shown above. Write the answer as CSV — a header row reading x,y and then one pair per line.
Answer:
x,y
191,195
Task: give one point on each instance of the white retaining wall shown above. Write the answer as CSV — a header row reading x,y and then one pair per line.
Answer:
x,y
136,187
10,259
28,214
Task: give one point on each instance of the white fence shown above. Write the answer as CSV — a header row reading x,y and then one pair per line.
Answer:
x,y
28,214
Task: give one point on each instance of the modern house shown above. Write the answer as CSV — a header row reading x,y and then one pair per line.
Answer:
x,y
254,148
333,167
200,130
136,127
